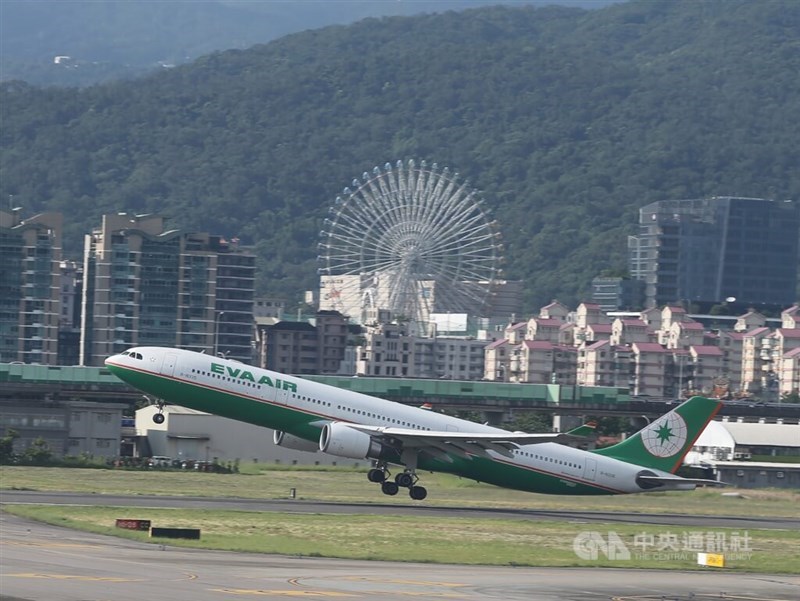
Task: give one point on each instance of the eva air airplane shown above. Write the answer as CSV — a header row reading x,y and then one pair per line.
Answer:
x,y
309,416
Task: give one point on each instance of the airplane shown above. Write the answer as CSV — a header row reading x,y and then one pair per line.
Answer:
x,y
310,416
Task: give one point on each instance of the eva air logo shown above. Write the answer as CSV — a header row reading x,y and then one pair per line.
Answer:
x,y
666,436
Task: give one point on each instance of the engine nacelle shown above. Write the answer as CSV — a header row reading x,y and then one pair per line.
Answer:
x,y
338,438
289,441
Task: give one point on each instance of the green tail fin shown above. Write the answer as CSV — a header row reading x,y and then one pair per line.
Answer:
x,y
664,443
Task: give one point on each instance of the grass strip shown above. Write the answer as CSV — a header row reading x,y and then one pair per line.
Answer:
x,y
351,486
436,540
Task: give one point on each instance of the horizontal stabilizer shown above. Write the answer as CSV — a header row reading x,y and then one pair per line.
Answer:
x,y
670,481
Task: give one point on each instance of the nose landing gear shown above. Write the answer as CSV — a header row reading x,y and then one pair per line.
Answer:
x,y
157,417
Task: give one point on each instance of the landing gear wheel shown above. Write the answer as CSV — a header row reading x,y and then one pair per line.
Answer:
x,y
406,480
418,493
389,488
158,418
376,475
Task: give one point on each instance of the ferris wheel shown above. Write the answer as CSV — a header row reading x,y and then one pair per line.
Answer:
x,y
411,239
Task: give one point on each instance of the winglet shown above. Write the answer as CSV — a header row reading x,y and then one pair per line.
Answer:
x,y
583,430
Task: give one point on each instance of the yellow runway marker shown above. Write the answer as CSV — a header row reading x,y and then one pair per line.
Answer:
x,y
74,577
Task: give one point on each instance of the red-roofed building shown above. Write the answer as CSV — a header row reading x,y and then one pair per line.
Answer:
x,y
554,310
789,373
707,368
515,333
543,329
566,334
731,343
604,364
650,364
790,318
589,313
598,331
542,362
652,317
752,361
682,334
628,331
672,314
496,358
750,320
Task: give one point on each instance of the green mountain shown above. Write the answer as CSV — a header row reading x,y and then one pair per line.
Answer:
x,y
567,120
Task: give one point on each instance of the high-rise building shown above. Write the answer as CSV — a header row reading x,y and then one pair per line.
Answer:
x,y
69,321
618,293
144,285
302,347
708,250
30,254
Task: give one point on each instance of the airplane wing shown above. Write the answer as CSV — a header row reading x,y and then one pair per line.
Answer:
x,y
464,444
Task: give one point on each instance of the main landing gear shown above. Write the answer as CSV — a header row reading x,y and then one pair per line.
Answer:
x,y
407,479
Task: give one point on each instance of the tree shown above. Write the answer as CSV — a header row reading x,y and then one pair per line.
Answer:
x,y
532,423
38,453
7,455
790,397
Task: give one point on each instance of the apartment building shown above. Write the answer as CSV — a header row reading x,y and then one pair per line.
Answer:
x,y
497,361
30,284
542,362
603,363
731,344
707,368
789,373
146,285
650,364
628,331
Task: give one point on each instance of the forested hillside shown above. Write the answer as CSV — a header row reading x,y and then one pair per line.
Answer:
x,y
108,40
567,120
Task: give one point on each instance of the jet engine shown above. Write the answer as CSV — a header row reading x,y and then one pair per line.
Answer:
x,y
288,441
338,438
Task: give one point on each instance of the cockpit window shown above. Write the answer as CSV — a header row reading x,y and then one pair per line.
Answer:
x,y
125,353
137,356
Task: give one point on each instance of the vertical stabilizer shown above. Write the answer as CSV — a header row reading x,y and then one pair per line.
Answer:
x,y
663,444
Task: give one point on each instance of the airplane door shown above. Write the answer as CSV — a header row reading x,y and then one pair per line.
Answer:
x,y
282,396
168,366
590,469
275,392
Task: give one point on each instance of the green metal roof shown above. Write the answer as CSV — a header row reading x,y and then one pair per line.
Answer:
x,y
42,374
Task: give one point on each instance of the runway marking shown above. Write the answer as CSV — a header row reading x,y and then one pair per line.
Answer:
x,y
695,597
25,543
283,593
400,581
75,577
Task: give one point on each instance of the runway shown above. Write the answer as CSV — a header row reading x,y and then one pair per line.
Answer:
x,y
298,506
49,563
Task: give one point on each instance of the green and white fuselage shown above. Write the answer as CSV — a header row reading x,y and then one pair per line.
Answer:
x,y
309,416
